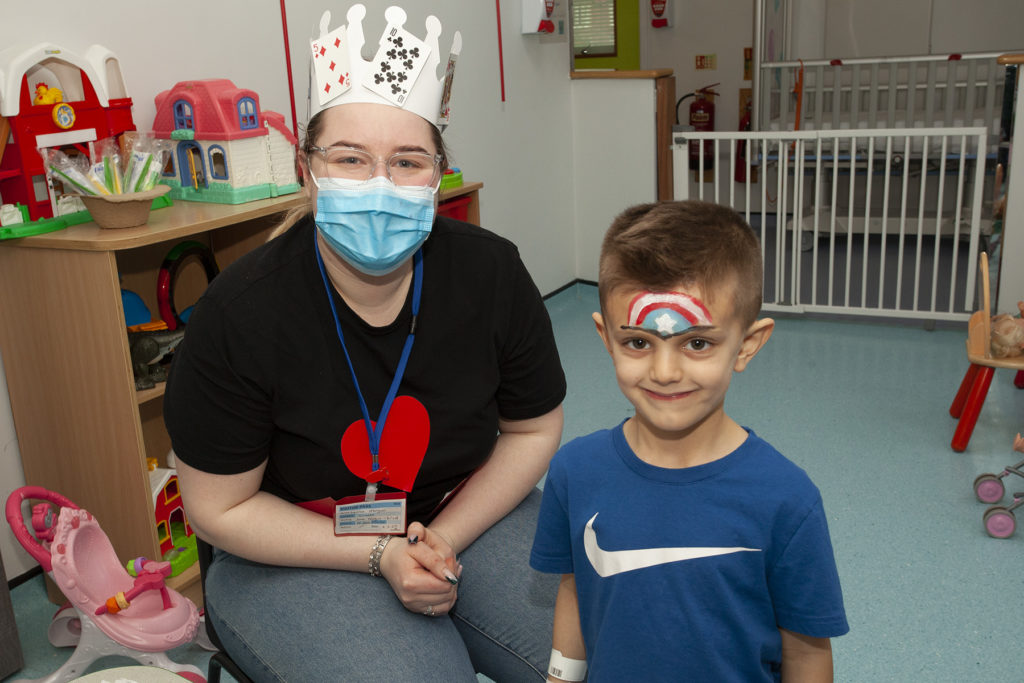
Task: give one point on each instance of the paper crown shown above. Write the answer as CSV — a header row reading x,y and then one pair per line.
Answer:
x,y
402,74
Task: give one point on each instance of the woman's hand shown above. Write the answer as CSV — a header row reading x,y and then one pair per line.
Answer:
x,y
423,572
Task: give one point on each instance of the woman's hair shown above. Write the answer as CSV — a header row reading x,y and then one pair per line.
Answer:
x,y
660,246
312,132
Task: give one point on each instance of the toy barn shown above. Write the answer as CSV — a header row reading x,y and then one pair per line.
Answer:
x,y
173,529
51,97
227,150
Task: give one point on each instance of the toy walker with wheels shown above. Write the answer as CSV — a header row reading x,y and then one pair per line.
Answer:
x,y
989,488
1000,522
118,614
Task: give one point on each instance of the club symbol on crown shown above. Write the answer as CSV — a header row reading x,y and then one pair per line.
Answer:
x,y
402,74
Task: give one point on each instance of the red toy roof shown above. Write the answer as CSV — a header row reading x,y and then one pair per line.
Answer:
x,y
214,104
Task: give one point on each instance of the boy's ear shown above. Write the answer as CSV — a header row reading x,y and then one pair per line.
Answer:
x,y
602,331
756,337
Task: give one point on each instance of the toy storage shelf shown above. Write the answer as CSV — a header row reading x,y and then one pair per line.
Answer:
x,y
470,190
83,429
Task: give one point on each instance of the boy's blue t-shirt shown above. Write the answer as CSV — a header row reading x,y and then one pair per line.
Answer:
x,y
701,565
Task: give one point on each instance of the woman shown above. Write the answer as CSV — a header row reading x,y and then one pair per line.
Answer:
x,y
340,324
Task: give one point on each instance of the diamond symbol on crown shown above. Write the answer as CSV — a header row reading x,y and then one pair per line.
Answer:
x,y
403,72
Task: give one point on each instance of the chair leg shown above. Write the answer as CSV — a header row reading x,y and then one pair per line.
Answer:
x,y
972,408
957,408
213,672
220,660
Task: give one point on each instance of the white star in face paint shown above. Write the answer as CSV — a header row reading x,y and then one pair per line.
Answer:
x,y
666,324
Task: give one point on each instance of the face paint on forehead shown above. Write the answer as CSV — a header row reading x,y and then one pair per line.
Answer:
x,y
666,314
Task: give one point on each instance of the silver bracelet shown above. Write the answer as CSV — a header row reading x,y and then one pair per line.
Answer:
x,y
375,554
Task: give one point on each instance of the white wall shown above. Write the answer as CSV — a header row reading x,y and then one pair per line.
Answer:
x,y
852,28
616,162
719,27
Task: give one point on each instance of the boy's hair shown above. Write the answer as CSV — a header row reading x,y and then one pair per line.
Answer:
x,y
660,246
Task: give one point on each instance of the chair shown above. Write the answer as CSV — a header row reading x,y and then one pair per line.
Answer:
x,y
219,659
971,395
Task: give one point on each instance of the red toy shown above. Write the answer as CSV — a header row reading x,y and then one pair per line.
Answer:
x,y
227,149
51,97
167,507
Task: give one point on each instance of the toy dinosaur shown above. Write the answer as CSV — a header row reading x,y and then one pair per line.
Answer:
x,y
148,348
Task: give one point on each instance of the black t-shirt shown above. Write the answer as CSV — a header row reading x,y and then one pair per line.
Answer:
x,y
261,375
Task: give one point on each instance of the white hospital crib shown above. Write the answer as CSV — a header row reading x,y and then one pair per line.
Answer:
x,y
924,91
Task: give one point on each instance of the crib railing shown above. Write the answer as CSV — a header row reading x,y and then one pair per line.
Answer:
x,y
887,92
853,222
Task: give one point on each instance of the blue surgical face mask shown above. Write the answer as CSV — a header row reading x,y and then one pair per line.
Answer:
x,y
373,225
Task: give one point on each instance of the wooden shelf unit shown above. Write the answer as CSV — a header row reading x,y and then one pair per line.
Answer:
x,y
83,429
471,189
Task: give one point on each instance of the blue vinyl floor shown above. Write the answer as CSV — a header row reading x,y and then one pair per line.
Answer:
x,y
863,407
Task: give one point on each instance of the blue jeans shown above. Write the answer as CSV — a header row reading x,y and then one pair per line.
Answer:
x,y
308,625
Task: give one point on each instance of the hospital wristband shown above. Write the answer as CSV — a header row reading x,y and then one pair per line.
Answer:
x,y
566,669
375,554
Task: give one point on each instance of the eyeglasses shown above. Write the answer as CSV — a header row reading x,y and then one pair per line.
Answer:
x,y
403,168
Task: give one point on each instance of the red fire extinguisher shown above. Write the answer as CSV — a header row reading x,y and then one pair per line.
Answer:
x,y
702,118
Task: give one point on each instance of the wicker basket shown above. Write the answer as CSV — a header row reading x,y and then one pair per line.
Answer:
x,y
122,210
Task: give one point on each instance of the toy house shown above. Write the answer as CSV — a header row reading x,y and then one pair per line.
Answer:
x,y
51,97
226,149
171,523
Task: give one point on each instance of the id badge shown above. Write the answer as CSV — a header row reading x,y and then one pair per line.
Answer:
x,y
356,516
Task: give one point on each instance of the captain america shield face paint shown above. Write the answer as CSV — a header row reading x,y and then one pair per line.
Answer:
x,y
666,314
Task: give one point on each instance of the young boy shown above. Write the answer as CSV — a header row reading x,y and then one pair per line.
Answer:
x,y
691,550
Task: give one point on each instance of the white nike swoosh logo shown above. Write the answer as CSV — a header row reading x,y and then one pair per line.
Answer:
x,y
610,562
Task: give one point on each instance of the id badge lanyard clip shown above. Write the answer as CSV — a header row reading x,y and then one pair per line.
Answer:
x,y
377,473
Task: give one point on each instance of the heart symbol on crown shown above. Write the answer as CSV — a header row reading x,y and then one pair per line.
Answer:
x,y
403,444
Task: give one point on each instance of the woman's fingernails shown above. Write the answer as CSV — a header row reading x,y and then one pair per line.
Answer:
x,y
452,579
414,539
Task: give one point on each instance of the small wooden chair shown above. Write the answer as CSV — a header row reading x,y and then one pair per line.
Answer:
x,y
974,387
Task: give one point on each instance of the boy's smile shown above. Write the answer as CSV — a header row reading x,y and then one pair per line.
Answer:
x,y
674,355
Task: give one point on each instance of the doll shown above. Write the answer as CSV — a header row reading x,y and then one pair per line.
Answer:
x,y
1008,334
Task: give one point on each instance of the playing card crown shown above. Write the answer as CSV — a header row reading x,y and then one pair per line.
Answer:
x,y
403,72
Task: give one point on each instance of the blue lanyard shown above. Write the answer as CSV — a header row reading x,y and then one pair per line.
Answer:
x,y
374,434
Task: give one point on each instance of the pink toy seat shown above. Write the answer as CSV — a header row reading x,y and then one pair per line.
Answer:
x,y
116,614
87,571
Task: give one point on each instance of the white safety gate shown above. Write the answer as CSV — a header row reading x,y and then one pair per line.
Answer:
x,y
883,222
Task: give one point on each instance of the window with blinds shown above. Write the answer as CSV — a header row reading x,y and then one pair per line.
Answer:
x,y
593,28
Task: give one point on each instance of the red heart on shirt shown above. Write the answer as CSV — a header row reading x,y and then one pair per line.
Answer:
x,y
402,444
